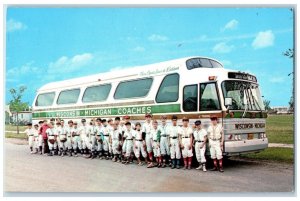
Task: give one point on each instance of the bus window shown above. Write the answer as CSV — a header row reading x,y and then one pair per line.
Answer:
x,y
202,63
133,88
45,99
96,93
190,98
209,97
68,96
169,89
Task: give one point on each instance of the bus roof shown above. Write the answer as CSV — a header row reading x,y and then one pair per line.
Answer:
x,y
122,73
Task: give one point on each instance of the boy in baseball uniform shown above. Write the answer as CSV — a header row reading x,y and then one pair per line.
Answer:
x,y
200,138
155,138
186,142
146,130
62,135
69,142
216,139
128,135
115,140
175,130
76,140
51,136
31,138
139,144
164,141
83,132
105,130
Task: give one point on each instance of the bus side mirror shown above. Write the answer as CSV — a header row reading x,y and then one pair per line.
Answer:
x,y
228,101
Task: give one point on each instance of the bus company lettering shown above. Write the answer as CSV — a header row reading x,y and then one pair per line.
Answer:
x,y
249,125
97,112
134,110
158,71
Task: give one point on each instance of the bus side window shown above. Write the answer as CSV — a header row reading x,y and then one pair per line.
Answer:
x,y
209,99
190,98
169,89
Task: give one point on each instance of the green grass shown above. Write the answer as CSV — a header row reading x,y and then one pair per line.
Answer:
x,y
14,128
277,154
15,135
280,129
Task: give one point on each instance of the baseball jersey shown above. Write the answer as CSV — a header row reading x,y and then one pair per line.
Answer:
x,y
186,132
215,132
128,134
30,132
174,131
154,134
83,131
138,135
115,134
147,127
199,134
164,130
50,133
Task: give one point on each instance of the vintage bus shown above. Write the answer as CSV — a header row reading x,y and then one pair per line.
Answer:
x,y
195,87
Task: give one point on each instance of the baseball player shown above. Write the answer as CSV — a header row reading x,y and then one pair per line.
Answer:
x,y
104,135
40,138
76,140
30,132
126,119
216,139
36,138
91,140
83,132
69,142
174,143
139,144
155,138
99,138
146,129
128,135
115,140
51,136
110,129
164,141
62,136
186,143
200,138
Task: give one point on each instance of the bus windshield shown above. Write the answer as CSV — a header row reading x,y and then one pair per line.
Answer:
x,y
245,95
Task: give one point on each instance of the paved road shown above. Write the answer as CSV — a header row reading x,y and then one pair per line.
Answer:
x,y
24,172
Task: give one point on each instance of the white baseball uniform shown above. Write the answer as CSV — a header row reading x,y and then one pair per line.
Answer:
x,y
164,140
84,135
147,129
31,137
138,144
154,137
115,136
199,137
186,133
214,134
76,139
128,135
105,130
51,133
62,136
174,141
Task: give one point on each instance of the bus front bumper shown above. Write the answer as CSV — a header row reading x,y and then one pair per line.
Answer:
x,y
254,145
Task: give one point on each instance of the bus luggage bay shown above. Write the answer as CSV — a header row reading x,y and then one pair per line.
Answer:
x,y
195,87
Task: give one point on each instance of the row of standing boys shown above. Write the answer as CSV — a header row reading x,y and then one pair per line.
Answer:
x,y
120,141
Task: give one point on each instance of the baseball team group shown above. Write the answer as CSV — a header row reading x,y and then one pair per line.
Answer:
x,y
157,145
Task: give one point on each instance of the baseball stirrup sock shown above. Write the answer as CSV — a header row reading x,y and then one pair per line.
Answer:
x,y
215,163
221,163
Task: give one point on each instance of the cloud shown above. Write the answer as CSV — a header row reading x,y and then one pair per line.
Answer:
x,y
222,48
232,24
13,25
138,49
117,68
278,79
263,39
14,73
68,65
156,37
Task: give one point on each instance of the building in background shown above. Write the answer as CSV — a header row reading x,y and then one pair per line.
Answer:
x,y
280,110
11,117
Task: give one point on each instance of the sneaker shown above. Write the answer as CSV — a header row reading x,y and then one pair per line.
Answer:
x,y
214,169
199,168
32,152
150,165
75,155
204,169
177,166
140,163
163,165
221,170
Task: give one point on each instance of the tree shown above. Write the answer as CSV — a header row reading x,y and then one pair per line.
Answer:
x,y
290,54
267,105
16,105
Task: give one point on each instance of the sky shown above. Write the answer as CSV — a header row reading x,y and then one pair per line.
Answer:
x,y
51,44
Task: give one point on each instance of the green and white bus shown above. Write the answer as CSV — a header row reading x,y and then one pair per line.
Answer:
x,y
195,87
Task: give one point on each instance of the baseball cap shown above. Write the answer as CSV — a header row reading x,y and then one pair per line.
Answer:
x,y
163,117
83,120
148,115
213,118
174,117
185,119
127,124
126,117
197,123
